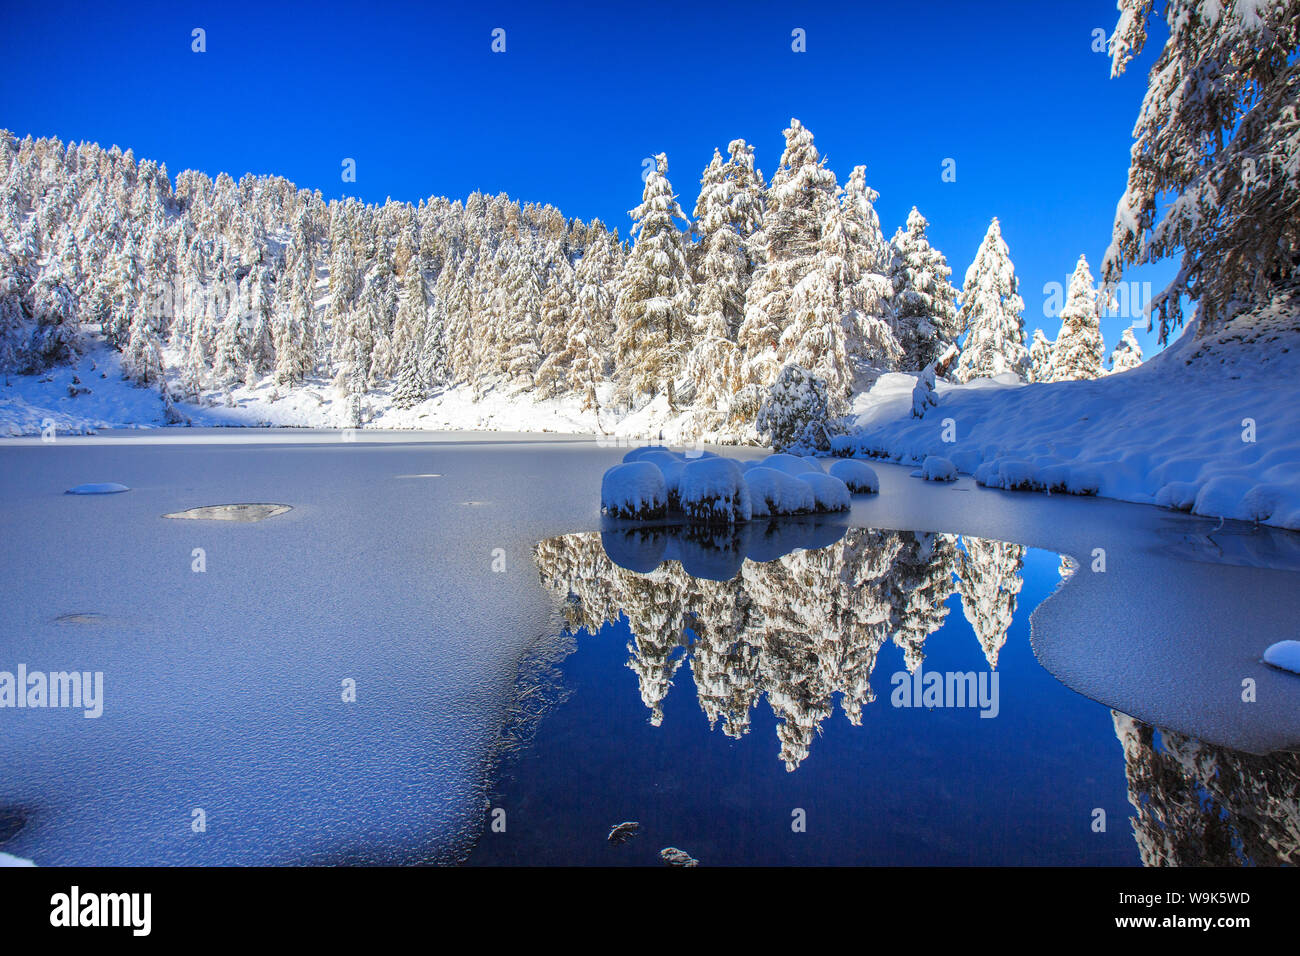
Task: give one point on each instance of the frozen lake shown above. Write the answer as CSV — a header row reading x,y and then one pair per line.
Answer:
x,y
407,574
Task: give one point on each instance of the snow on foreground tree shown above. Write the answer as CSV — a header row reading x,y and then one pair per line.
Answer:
x,y
1215,166
1079,349
727,215
653,333
799,201
1127,355
795,412
924,310
1040,358
990,314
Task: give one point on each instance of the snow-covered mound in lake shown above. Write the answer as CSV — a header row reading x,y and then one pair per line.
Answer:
x,y
1207,426
706,489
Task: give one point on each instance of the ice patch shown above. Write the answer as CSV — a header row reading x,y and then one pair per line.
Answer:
x,y
98,488
1284,655
253,511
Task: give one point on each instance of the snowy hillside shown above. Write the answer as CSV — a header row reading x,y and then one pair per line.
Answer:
x,y
1209,425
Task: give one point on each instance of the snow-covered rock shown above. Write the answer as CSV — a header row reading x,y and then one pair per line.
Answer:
x,y
713,491
773,493
936,468
1285,655
829,494
860,478
634,490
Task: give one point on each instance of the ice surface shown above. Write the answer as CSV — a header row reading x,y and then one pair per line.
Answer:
x,y
222,689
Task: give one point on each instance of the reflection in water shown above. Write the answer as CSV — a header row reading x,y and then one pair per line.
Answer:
x,y
795,627
798,613
1202,805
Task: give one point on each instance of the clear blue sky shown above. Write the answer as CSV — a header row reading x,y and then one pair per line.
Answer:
x,y
584,92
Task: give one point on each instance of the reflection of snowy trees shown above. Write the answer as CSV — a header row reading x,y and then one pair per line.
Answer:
x,y
1203,805
989,580
798,630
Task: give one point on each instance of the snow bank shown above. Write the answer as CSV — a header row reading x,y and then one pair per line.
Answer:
x,y
829,494
1284,654
860,478
936,468
774,493
8,859
634,490
1207,426
713,491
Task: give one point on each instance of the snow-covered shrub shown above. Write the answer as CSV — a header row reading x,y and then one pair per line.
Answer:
x,y
860,479
670,465
636,454
829,494
815,462
773,493
935,468
795,411
790,464
1016,474
634,490
713,491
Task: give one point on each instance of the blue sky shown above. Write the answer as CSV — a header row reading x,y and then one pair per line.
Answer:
x,y
1011,91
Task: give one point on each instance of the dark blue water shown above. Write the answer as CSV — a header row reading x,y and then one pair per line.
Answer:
x,y
911,785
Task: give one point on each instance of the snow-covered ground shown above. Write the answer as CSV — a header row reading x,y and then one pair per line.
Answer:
x,y
1218,436
105,399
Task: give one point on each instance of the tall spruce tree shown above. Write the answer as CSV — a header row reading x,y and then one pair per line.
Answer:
x,y
991,314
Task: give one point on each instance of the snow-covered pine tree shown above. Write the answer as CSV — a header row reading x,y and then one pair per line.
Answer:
x,y
722,273
991,314
408,338
924,310
795,411
836,330
652,333
1215,169
799,200
1078,351
1127,355
1040,358
557,318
